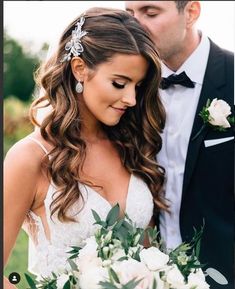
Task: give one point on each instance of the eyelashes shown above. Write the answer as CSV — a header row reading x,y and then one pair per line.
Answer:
x,y
118,85
121,86
151,15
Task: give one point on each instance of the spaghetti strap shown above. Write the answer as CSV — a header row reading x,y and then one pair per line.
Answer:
x,y
40,144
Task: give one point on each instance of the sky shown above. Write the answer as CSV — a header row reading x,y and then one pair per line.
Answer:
x,y
36,22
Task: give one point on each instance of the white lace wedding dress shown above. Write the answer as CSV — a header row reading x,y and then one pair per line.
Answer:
x,y
48,254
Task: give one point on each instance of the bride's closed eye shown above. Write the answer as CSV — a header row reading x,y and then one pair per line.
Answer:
x,y
118,85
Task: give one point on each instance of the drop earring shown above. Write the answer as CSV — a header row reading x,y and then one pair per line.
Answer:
x,y
79,87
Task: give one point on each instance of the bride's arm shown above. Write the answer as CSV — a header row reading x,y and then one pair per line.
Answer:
x,y
21,171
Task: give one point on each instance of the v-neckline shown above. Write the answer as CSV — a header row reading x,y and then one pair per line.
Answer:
x,y
105,200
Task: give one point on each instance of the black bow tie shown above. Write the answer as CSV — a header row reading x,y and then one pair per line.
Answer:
x,y
181,79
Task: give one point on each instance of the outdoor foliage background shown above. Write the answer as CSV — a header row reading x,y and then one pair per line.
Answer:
x,y
19,66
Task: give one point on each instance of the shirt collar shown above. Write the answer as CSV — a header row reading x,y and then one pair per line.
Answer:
x,y
195,64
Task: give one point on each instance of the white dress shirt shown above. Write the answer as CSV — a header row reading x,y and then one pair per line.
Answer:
x,y
180,103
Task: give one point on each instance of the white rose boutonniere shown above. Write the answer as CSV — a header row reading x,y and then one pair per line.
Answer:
x,y
216,113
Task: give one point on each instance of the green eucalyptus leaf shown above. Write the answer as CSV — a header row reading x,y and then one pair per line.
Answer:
x,y
132,284
96,216
231,119
118,224
107,285
128,226
122,258
73,256
72,280
30,281
67,285
142,236
114,275
72,264
113,215
75,249
197,248
208,102
101,223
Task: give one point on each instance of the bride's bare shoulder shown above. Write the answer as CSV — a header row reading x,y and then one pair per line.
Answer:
x,y
28,152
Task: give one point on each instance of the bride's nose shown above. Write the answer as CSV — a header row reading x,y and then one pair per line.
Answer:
x,y
129,97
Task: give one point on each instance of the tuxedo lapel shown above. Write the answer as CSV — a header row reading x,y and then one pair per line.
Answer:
x,y
213,79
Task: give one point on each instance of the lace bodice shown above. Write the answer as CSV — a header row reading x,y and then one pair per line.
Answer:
x,y
48,255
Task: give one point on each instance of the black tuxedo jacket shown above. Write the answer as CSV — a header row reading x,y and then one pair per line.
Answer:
x,y
208,186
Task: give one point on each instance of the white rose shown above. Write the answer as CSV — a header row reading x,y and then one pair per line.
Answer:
x,y
61,280
154,258
88,255
219,110
175,278
90,248
91,277
197,280
85,264
130,269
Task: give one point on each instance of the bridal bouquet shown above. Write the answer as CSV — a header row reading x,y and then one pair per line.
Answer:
x,y
114,258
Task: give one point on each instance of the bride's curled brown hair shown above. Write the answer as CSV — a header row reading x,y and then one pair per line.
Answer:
x,y
136,136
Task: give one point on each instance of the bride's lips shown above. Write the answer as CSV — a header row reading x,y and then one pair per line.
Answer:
x,y
118,109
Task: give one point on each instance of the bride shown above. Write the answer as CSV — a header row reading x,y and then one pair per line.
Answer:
x,y
97,145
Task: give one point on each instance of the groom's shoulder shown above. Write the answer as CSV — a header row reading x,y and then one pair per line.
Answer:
x,y
229,55
218,49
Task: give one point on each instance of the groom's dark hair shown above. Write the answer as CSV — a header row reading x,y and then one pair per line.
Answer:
x,y
180,5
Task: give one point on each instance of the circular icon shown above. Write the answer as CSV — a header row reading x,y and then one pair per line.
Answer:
x,y
14,278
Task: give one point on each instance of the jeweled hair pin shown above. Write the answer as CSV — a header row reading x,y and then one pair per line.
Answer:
x,y
74,46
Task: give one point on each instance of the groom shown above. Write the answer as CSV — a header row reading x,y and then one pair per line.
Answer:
x,y
199,166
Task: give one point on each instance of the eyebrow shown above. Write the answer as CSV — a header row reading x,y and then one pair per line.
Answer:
x,y
146,7
127,78
123,76
151,7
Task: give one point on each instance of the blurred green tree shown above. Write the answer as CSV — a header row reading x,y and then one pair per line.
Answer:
x,y
18,69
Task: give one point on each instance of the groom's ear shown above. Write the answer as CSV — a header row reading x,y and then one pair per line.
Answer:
x,y
192,10
78,67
